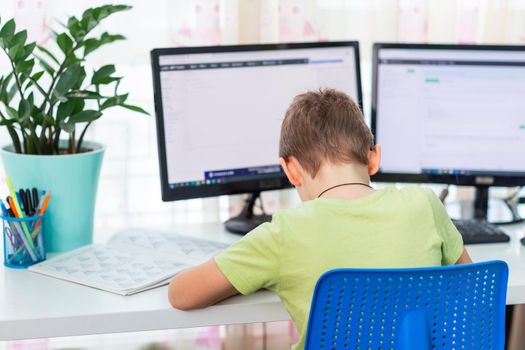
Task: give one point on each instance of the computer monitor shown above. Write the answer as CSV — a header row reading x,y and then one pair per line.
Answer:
x,y
452,114
219,112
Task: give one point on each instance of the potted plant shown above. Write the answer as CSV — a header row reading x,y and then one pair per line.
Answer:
x,y
48,100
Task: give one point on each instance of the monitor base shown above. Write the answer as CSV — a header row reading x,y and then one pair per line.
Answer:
x,y
247,220
481,204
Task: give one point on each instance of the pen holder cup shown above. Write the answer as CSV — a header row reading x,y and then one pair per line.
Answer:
x,y
23,241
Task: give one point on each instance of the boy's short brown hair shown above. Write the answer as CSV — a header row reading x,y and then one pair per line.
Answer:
x,y
324,125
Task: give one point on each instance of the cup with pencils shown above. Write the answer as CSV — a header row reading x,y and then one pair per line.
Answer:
x,y
22,216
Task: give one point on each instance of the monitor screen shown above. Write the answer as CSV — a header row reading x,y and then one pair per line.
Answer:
x,y
450,113
219,110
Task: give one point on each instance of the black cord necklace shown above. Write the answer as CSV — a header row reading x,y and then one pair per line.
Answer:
x,y
345,184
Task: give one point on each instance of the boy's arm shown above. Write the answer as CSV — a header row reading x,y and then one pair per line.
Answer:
x,y
464,258
200,286
245,267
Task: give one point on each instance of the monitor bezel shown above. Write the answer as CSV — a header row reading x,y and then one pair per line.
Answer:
x,y
248,186
452,179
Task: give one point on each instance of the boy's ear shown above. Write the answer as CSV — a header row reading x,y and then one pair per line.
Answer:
x,y
292,169
374,160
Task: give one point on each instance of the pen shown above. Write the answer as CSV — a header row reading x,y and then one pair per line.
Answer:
x,y
12,209
31,246
4,209
34,191
23,199
7,213
29,201
21,203
18,230
44,203
41,211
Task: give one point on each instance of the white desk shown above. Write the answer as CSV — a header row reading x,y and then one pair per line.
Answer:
x,y
35,306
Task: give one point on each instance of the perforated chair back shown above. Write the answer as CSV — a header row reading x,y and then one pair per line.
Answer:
x,y
453,307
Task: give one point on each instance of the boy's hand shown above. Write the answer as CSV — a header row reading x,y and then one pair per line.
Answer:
x,y
199,287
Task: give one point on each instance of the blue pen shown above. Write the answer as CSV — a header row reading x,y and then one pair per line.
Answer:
x,y
4,209
20,201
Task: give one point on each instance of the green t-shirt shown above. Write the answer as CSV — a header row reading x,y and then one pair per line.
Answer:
x,y
388,228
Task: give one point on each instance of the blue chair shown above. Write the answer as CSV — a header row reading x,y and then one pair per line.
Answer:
x,y
453,307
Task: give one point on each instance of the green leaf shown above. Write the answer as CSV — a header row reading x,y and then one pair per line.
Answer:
x,y
134,108
28,50
89,23
79,105
91,45
4,88
25,67
71,22
24,110
11,93
19,38
102,75
64,110
81,78
4,81
75,28
85,116
7,122
38,117
84,94
114,101
47,67
49,54
64,42
33,80
104,11
67,80
93,16
36,77
69,128
7,31
11,112
13,51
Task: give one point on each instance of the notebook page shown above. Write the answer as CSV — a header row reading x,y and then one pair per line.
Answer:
x,y
110,269
183,249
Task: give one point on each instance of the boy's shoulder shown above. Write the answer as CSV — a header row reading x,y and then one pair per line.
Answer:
x,y
416,191
411,196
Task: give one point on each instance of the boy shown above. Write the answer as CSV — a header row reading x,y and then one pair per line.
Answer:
x,y
328,154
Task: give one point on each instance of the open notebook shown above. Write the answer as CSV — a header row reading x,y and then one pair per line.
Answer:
x,y
132,261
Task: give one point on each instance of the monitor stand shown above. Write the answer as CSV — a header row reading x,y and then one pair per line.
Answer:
x,y
481,205
247,220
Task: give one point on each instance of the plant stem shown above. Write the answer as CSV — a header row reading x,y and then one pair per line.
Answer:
x,y
17,80
51,87
22,97
71,148
81,138
56,142
15,139
24,140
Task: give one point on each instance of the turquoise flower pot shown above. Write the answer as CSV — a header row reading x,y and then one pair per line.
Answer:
x,y
72,180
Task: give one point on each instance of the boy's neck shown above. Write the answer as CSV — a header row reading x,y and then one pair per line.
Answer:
x,y
330,175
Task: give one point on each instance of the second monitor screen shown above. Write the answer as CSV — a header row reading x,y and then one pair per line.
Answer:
x,y
450,111
223,111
